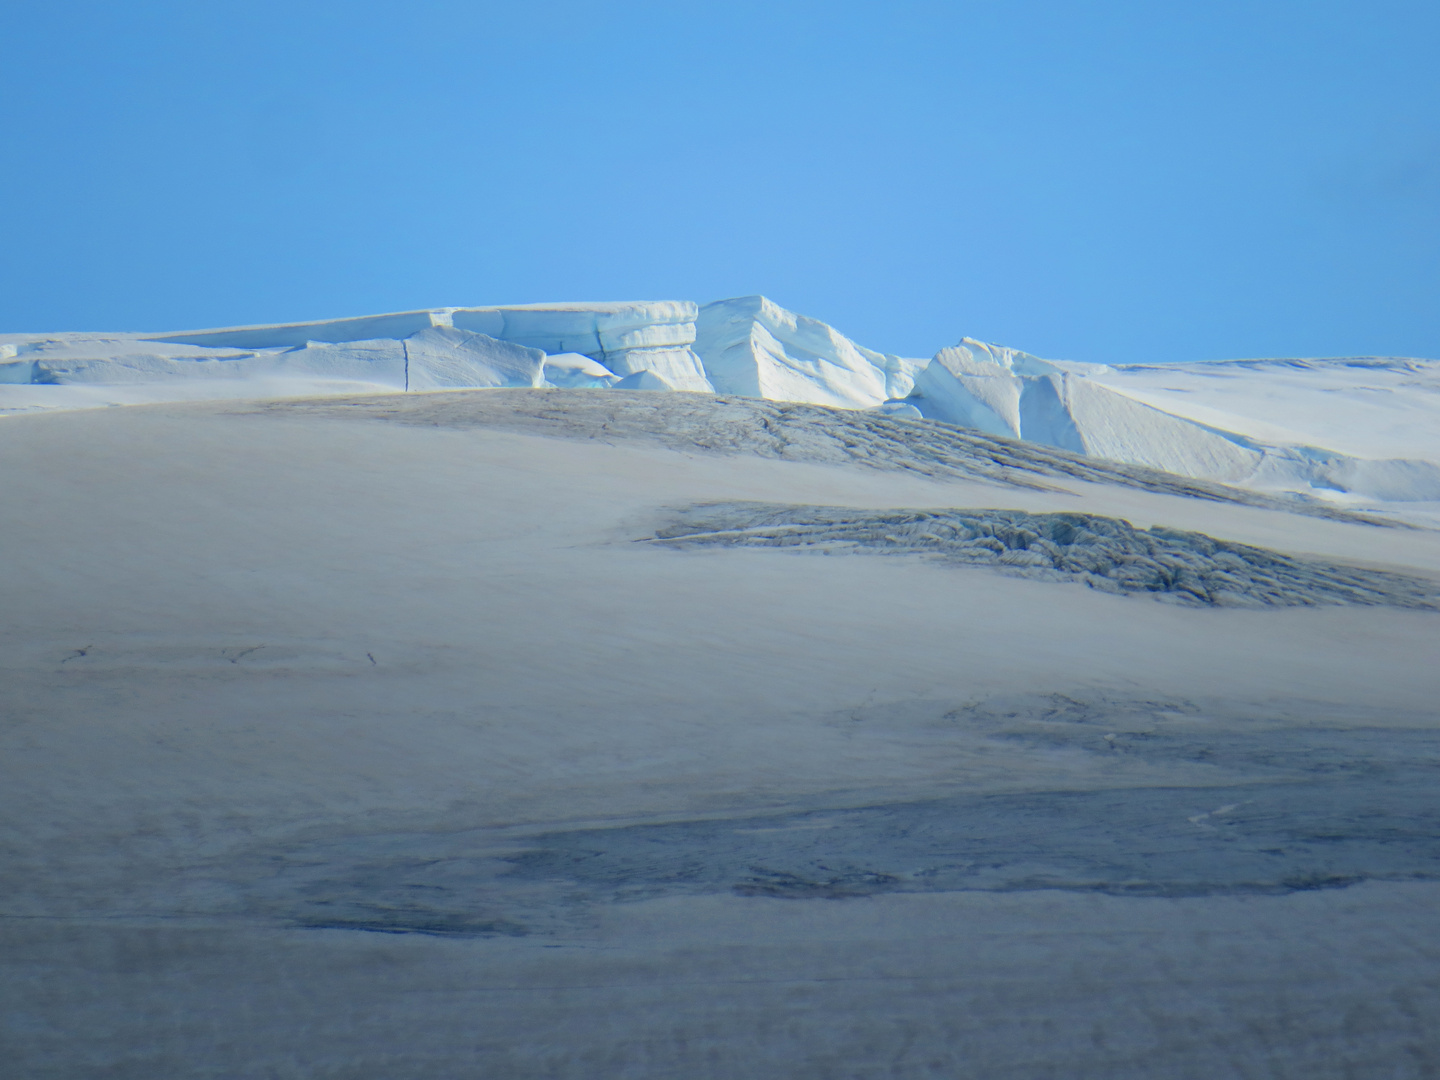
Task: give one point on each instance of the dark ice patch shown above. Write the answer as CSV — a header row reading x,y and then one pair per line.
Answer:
x,y
1104,553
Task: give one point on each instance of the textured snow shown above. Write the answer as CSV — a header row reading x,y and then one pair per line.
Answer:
x,y
1104,553
788,431
366,737
1362,432
1364,426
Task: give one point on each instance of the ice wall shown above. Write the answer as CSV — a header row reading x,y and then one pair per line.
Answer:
x,y
1258,423
623,337
433,358
1006,392
627,337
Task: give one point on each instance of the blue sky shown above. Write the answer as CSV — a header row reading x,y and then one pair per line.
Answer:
x,y
1096,181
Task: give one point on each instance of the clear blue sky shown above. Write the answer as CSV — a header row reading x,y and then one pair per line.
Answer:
x,y
1103,181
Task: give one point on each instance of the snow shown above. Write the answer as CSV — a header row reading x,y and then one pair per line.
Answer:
x,y
395,325
644,380
1008,393
1361,432
753,347
446,357
1101,552
433,357
827,724
571,370
1368,426
1372,407
365,736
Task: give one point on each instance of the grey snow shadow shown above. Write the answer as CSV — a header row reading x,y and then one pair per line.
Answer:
x,y
1105,553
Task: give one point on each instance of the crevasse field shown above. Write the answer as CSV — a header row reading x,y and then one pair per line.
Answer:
x,y
654,690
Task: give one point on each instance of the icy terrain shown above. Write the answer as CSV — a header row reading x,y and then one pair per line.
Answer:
x,y
1358,432
506,732
1103,553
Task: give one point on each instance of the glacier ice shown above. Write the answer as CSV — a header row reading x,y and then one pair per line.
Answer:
x,y
435,357
1006,392
445,357
576,371
398,324
753,347
625,337
1350,429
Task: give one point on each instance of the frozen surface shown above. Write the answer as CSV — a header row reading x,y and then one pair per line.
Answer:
x,y
368,737
576,371
1357,432
430,358
1371,407
627,338
1104,553
754,347
802,433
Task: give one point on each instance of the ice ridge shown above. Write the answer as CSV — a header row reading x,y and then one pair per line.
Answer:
x,y
1351,429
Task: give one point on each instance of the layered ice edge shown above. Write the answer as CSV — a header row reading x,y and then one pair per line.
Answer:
x,y
1350,430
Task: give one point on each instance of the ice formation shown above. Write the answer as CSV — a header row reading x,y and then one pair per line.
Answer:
x,y
627,338
1356,430
1104,553
756,348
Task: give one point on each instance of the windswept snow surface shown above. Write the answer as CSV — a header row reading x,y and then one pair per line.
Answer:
x,y
1362,432
377,736
1366,426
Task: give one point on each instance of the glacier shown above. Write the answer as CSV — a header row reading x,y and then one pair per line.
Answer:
x,y
1355,431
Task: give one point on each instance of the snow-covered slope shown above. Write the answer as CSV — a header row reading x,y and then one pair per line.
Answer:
x,y
1367,425
569,734
1363,431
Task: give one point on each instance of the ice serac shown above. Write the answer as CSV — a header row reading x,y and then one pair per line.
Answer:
x,y
753,347
1004,391
625,337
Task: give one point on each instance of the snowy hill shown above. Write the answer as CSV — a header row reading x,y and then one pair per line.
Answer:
x,y
1363,432
539,732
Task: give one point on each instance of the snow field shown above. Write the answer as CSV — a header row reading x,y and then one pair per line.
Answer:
x,y
360,737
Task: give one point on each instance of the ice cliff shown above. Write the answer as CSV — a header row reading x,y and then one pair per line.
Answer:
x,y
1341,429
